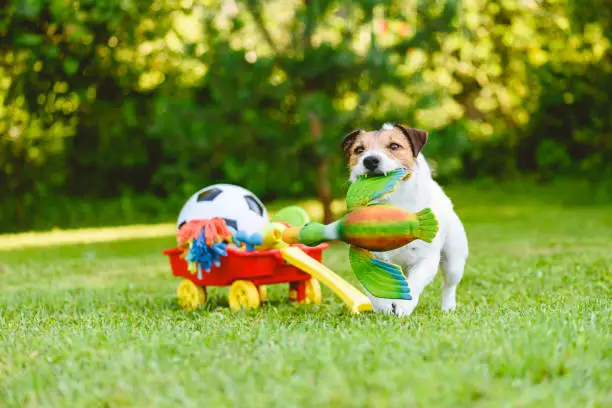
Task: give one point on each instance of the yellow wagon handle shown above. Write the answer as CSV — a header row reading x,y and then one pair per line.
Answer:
x,y
275,236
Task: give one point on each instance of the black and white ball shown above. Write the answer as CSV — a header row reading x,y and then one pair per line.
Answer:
x,y
240,208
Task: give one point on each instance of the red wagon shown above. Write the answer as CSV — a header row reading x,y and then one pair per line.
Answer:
x,y
247,274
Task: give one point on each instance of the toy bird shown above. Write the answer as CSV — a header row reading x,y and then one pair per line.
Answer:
x,y
377,227
373,227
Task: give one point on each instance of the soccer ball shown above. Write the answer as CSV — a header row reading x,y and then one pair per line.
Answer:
x,y
240,208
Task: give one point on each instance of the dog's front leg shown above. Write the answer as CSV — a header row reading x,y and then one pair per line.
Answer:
x,y
420,275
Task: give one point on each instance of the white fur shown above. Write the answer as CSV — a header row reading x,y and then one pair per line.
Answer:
x,y
420,260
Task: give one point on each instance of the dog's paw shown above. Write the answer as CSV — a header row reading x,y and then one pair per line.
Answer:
x,y
395,307
449,306
449,299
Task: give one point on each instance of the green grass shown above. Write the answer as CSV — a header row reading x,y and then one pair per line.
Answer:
x,y
86,320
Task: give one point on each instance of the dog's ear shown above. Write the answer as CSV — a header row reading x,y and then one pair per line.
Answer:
x,y
416,137
349,140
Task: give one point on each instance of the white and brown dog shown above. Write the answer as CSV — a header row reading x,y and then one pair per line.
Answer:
x,y
390,148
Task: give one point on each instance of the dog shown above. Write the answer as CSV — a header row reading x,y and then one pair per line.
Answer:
x,y
396,146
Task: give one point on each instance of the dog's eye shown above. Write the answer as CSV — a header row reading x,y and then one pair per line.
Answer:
x,y
394,146
359,150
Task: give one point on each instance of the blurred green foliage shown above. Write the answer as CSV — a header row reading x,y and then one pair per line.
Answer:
x,y
118,98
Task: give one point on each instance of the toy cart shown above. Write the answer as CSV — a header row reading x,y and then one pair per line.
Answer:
x,y
247,274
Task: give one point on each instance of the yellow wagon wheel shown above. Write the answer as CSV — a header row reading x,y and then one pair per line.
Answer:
x,y
313,292
190,295
263,292
243,295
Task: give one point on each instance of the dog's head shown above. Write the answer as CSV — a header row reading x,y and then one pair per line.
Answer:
x,y
381,151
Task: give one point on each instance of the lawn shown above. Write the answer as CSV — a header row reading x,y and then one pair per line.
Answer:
x,y
87,320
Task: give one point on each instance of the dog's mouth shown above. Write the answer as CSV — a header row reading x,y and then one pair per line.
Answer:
x,y
374,173
378,173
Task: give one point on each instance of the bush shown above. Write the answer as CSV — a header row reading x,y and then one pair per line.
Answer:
x,y
161,97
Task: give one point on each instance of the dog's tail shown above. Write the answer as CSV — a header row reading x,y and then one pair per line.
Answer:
x,y
427,227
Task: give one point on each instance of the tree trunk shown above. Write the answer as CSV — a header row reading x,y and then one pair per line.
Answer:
x,y
322,168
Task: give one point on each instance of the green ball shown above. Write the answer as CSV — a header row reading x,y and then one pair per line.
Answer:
x,y
292,215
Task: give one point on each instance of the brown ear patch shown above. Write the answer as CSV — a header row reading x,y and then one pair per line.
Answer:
x,y
349,140
417,137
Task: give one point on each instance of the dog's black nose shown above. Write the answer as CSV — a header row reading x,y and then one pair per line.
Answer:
x,y
371,162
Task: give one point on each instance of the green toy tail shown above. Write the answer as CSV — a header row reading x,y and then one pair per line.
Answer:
x,y
427,226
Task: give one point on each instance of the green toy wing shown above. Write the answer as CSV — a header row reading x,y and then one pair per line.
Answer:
x,y
366,189
381,279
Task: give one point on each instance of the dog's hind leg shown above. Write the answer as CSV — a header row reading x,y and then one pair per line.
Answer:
x,y
453,258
